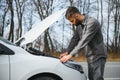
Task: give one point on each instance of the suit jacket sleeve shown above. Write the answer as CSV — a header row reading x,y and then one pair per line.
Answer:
x,y
88,33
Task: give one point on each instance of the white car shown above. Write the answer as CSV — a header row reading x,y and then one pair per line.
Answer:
x,y
17,63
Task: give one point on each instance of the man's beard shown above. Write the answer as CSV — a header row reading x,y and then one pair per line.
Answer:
x,y
78,23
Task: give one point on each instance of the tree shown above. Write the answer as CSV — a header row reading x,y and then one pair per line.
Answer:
x,y
19,9
4,8
116,4
44,9
115,8
11,33
108,23
101,11
71,2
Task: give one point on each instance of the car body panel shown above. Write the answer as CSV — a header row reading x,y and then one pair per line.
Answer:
x,y
4,67
24,65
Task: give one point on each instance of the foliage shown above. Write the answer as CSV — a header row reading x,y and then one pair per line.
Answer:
x,y
18,16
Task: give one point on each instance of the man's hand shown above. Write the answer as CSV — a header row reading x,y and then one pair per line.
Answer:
x,y
63,54
65,58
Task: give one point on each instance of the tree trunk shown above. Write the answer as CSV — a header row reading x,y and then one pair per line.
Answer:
x,y
46,43
11,34
108,25
3,22
101,12
19,9
71,2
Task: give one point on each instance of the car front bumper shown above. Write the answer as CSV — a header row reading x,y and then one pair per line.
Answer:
x,y
68,73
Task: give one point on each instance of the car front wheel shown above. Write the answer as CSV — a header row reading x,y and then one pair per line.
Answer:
x,y
45,77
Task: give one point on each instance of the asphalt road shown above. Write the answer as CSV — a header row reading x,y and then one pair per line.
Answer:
x,y
112,70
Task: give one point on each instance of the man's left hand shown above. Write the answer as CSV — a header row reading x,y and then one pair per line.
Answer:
x,y
66,58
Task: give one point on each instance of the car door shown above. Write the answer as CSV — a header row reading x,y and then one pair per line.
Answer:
x,y
5,62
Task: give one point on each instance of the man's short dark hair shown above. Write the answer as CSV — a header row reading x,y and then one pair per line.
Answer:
x,y
70,11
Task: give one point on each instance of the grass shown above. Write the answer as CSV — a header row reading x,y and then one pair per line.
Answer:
x,y
114,57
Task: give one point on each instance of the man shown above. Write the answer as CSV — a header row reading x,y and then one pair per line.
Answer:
x,y
88,35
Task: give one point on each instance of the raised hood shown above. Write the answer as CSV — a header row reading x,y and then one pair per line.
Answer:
x,y
39,28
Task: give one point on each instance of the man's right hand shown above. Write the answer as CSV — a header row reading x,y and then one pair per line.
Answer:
x,y
63,54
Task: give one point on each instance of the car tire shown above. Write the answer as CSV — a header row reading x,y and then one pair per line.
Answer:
x,y
45,77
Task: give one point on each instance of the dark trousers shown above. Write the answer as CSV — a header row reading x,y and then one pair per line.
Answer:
x,y
96,69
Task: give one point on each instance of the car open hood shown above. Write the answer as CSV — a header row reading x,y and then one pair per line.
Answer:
x,y
39,28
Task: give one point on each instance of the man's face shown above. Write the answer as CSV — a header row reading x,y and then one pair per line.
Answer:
x,y
74,21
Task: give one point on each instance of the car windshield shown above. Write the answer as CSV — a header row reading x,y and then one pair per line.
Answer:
x,y
6,41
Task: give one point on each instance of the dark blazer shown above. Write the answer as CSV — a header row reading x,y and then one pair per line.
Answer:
x,y
90,38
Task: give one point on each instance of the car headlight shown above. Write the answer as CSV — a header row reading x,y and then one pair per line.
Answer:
x,y
74,65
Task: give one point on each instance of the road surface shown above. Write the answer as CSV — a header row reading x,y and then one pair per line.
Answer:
x,y
112,70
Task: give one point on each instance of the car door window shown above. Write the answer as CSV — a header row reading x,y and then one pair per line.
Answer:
x,y
5,50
